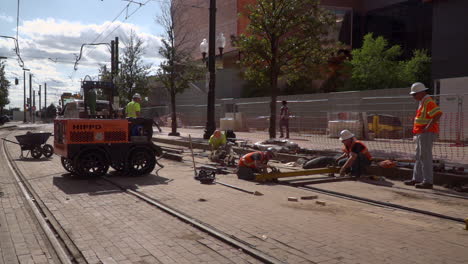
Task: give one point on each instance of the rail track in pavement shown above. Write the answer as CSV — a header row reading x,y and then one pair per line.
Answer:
x,y
68,251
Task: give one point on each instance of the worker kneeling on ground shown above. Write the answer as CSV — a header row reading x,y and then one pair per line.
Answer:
x,y
254,162
358,157
218,145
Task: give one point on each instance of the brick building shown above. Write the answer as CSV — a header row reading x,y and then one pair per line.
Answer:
x,y
436,25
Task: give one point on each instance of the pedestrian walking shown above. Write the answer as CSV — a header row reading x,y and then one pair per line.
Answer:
x,y
425,130
284,119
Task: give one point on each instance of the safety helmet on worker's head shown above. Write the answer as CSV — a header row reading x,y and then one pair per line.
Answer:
x,y
418,87
346,134
271,152
137,95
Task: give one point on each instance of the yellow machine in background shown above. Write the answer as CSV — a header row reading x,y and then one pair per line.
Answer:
x,y
385,126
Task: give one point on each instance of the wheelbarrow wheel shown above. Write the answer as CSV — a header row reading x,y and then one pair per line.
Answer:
x,y
36,152
67,164
47,150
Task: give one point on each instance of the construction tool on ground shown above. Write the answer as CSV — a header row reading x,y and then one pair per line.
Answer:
x,y
276,175
193,157
204,176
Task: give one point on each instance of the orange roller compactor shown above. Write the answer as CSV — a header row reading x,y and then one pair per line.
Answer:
x,y
89,146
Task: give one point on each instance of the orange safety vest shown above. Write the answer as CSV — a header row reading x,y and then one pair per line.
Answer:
x,y
426,111
247,161
365,151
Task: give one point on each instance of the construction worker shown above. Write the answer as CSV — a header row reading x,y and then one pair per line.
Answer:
x,y
358,157
217,143
425,129
133,108
254,162
217,140
284,119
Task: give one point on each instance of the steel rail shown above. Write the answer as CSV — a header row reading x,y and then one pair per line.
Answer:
x,y
62,244
229,239
380,203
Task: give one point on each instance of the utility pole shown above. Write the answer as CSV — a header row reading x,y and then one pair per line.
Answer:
x,y
34,107
30,97
116,61
210,115
24,96
45,96
39,93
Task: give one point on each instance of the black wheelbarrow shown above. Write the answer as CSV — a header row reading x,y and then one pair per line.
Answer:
x,y
35,143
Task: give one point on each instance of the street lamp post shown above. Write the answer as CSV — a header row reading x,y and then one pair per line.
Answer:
x,y
204,49
210,122
24,94
221,42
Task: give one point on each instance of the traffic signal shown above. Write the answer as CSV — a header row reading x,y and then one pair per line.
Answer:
x,y
16,81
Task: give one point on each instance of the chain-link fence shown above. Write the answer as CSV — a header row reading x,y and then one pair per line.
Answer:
x,y
384,122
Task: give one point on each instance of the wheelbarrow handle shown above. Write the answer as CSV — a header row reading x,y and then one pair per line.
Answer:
x,y
10,141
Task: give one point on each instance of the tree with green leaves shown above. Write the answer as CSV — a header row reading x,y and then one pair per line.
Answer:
x,y
417,69
285,39
133,77
4,86
178,70
377,65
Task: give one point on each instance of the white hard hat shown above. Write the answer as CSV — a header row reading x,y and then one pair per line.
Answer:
x,y
418,87
346,134
271,151
137,95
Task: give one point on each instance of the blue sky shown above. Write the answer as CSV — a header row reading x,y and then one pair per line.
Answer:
x,y
51,33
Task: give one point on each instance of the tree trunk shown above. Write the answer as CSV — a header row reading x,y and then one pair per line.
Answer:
x,y
173,115
274,89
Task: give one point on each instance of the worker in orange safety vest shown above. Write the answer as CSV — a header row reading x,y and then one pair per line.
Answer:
x,y
357,154
254,162
425,129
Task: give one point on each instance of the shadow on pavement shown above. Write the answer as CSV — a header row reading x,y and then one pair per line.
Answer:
x,y
132,182
75,185
71,184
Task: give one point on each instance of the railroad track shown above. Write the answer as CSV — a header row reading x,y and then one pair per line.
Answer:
x,y
231,240
63,246
68,252
379,203
387,204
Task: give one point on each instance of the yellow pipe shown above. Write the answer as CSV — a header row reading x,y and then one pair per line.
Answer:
x,y
276,175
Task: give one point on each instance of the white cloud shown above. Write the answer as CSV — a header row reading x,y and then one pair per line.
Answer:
x,y
49,48
6,18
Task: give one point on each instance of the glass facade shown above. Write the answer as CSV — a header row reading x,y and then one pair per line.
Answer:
x,y
408,24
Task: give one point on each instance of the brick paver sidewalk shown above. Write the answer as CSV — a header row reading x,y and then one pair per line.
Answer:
x,y
21,239
109,225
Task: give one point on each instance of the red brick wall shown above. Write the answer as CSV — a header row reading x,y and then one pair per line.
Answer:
x,y
242,21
